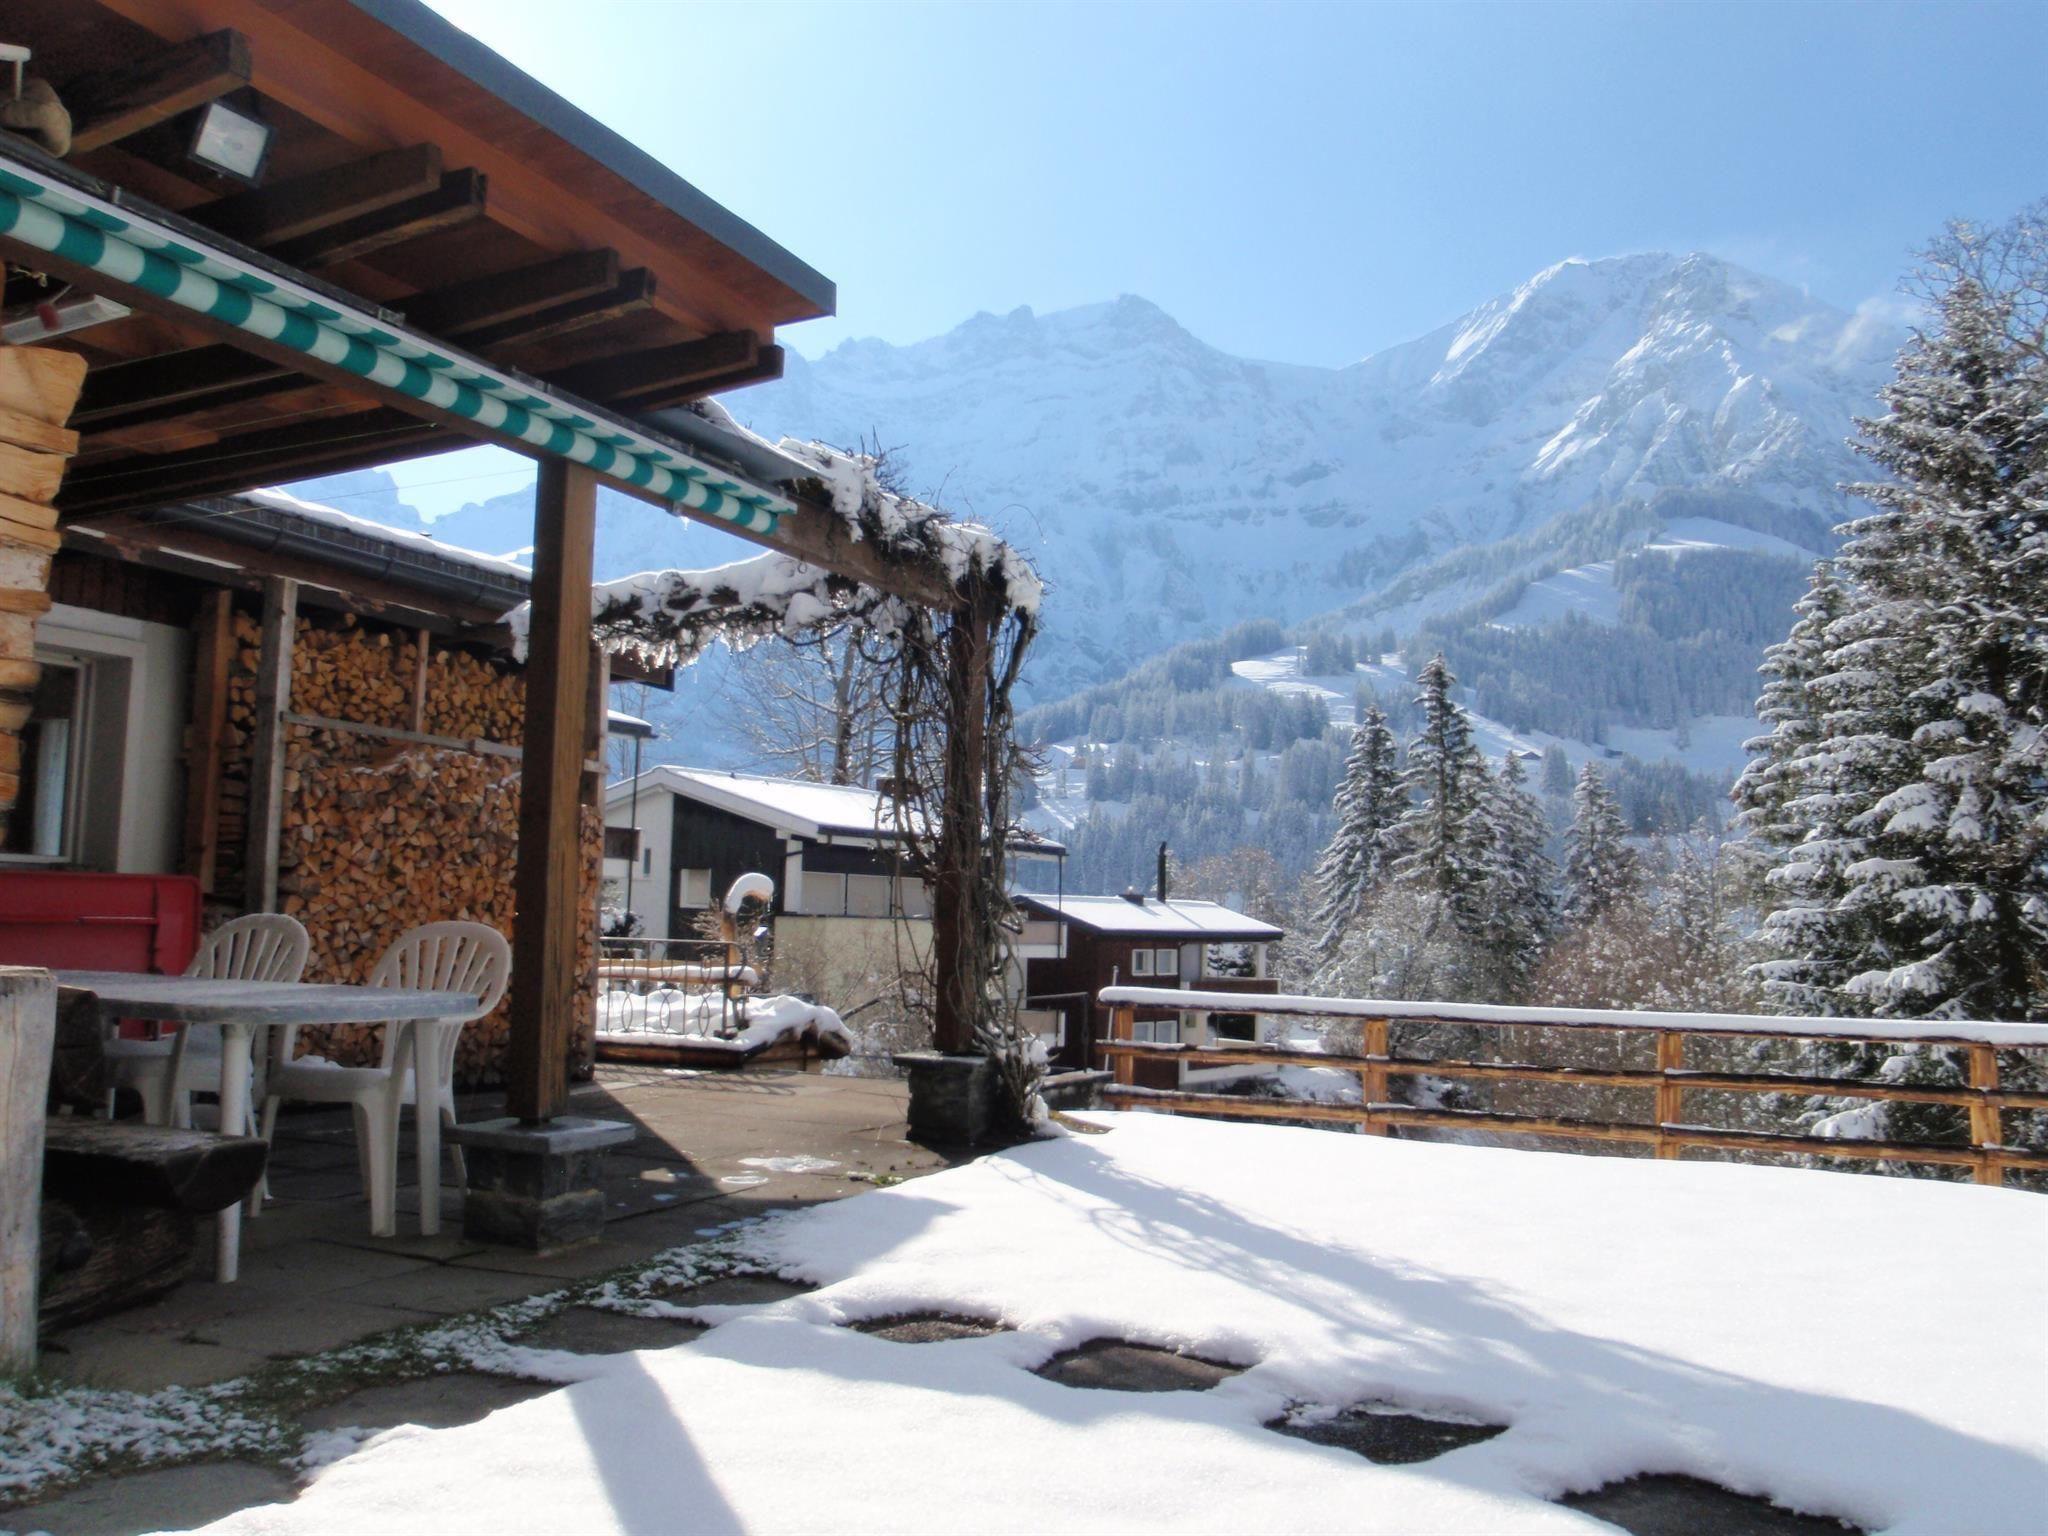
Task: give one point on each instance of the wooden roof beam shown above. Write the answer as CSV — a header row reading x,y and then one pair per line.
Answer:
x,y
638,375
460,198
286,210
631,295
463,308
109,106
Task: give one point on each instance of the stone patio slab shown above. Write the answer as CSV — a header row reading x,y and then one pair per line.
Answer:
x,y
168,1499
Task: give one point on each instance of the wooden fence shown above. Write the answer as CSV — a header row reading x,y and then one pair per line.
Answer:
x,y
1670,1080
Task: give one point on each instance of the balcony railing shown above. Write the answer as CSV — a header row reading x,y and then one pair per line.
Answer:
x,y
1666,1133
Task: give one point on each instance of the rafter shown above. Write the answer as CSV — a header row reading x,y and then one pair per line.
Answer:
x,y
109,106
286,210
460,198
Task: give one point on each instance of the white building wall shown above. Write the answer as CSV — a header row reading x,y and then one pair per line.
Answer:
x,y
131,817
653,880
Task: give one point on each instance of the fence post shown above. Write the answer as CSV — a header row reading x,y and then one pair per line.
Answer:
x,y
1123,1021
1373,1079
1985,1129
1670,1057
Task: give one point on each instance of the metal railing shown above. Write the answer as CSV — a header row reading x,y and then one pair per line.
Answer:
x,y
672,987
1981,1096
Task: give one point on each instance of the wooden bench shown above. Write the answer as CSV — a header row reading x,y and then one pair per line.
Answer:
x,y
120,1199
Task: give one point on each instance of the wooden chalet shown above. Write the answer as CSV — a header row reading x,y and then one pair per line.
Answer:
x,y
1074,946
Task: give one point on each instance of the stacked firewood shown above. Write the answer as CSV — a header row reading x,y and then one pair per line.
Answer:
x,y
381,835
38,387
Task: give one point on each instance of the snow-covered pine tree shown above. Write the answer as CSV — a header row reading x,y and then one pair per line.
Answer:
x,y
1921,886
1601,871
1368,804
1519,908
1445,845
1443,842
1769,781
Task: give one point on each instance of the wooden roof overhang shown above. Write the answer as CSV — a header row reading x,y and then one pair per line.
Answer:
x,y
420,185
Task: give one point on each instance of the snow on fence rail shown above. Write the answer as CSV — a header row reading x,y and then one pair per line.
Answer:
x,y
1670,1080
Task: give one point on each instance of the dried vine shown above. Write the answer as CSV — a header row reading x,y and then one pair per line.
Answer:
x,y
953,675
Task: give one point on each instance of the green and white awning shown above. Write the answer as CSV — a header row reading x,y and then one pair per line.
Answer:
x,y
130,248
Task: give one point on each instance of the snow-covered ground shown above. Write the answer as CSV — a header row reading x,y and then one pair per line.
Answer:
x,y
1709,744
1865,1348
1588,591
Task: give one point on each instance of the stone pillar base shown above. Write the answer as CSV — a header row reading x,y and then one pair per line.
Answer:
x,y
952,1098
536,1186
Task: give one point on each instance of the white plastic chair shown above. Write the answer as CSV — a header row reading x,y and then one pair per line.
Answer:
x,y
264,946
436,957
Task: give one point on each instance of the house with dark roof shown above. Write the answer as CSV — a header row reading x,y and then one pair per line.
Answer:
x,y
845,910
1077,945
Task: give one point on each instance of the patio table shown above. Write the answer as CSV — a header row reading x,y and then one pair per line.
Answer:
x,y
240,1008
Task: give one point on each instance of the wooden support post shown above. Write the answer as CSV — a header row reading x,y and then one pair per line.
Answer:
x,y
1373,1080
266,746
545,883
1985,1130
28,1026
1670,1058
970,654
206,737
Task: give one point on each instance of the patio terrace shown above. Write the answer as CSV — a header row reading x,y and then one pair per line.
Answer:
x,y
708,1149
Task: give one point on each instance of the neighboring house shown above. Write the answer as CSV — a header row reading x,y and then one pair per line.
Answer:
x,y
845,911
1077,945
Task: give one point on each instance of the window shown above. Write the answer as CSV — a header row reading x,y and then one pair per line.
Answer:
x,y
693,887
1158,1031
646,861
868,895
621,842
824,895
46,813
1141,962
1166,962
1234,1026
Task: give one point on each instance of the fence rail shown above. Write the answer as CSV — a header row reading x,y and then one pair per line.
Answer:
x,y
1666,1135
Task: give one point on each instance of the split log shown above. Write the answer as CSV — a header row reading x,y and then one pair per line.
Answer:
x,y
38,388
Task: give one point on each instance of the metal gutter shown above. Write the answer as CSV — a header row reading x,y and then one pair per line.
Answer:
x,y
274,529
492,72
169,259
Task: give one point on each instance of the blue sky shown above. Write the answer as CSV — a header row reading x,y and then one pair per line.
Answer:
x,y
1304,182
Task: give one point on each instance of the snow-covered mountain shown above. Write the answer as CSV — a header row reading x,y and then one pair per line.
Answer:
x,y
1170,490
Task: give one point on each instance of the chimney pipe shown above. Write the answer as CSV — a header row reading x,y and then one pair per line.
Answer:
x,y
1162,871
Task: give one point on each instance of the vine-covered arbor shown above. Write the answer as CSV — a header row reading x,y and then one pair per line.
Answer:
x,y
949,611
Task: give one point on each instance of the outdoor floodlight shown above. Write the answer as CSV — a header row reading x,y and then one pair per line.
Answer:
x,y
231,141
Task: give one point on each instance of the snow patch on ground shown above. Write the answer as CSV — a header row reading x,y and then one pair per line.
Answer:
x,y
1857,1347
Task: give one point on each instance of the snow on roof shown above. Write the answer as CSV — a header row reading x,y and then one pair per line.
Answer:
x,y
1174,918
795,807
404,538
1857,1348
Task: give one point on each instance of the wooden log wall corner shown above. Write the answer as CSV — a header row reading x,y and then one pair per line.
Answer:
x,y
379,833
38,388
